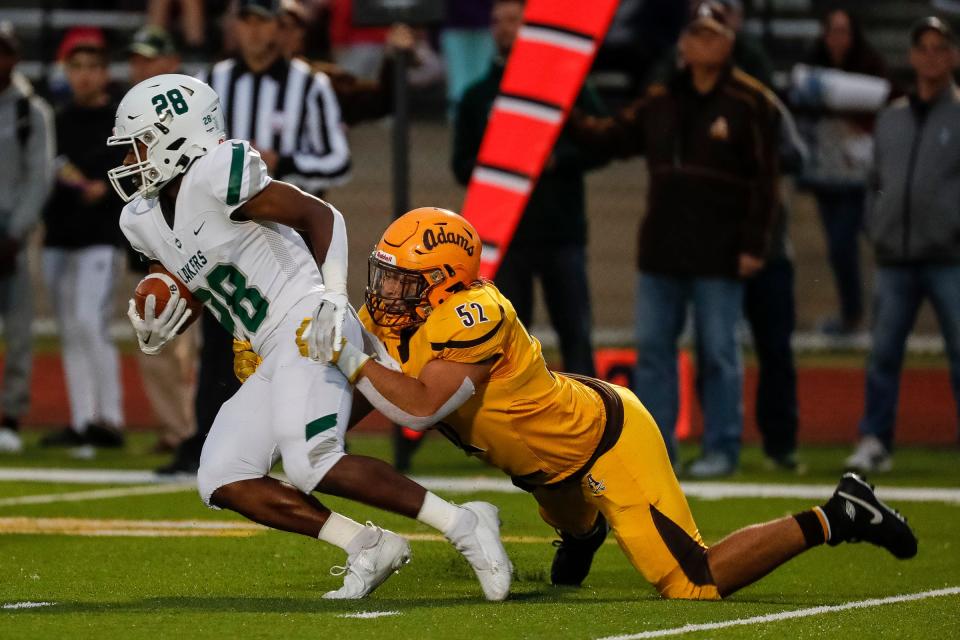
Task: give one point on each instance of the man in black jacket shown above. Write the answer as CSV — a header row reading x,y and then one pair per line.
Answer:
x,y
710,136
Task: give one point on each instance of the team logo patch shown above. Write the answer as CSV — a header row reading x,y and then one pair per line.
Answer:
x,y
720,129
383,256
596,486
433,238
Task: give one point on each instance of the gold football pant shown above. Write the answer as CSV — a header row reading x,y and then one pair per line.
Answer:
x,y
634,486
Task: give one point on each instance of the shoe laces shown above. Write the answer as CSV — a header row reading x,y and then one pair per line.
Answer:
x,y
339,570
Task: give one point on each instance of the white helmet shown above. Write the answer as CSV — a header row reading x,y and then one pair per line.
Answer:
x,y
178,118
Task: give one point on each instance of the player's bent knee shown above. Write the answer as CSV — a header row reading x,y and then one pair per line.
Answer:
x,y
213,480
677,586
224,496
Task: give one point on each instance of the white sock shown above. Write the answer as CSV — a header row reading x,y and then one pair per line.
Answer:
x,y
340,530
438,513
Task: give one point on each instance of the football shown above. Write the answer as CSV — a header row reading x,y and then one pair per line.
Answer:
x,y
162,284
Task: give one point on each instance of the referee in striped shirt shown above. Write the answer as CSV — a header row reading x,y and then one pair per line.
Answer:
x,y
291,116
288,111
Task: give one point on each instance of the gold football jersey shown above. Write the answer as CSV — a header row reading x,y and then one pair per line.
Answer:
x,y
537,426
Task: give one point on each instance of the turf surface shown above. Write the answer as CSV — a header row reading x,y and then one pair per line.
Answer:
x,y
268,585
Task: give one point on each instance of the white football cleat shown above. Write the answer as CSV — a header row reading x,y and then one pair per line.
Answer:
x,y
477,537
369,567
10,441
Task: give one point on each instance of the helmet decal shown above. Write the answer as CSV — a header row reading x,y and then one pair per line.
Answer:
x,y
433,238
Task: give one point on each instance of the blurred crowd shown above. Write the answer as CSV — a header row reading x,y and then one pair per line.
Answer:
x,y
718,134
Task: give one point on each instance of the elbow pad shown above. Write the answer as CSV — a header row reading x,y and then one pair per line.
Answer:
x,y
417,423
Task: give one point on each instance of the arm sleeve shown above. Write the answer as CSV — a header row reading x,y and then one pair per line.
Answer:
x,y
39,170
322,159
468,330
236,174
334,267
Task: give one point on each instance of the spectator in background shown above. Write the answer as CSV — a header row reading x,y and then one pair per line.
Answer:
x,y
361,100
840,165
913,225
81,245
151,53
253,88
710,137
769,303
26,174
748,54
358,50
466,45
550,241
169,376
160,13
290,114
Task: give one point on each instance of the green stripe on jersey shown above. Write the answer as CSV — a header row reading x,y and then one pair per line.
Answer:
x,y
236,174
321,424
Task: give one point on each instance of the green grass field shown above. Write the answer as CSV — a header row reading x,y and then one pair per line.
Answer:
x,y
135,566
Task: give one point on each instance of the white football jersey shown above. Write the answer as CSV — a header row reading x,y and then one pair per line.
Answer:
x,y
248,274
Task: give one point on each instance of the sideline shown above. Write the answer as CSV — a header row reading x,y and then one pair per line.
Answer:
x,y
703,490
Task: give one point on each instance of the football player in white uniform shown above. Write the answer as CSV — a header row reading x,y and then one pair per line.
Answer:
x,y
263,255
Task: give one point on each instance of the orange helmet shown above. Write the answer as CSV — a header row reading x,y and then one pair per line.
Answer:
x,y
422,258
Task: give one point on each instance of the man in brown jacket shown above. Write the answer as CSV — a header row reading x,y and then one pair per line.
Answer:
x,y
710,136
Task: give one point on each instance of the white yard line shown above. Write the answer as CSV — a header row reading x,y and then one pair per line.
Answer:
x,y
179,528
366,615
449,484
128,528
27,605
787,615
85,476
97,494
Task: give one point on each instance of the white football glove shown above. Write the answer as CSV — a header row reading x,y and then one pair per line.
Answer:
x,y
324,335
153,331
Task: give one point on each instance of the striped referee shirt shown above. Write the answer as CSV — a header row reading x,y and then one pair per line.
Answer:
x,y
291,110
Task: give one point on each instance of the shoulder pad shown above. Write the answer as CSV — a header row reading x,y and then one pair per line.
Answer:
x,y
130,218
235,172
468,327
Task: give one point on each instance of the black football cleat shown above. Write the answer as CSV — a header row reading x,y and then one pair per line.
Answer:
x,y
571,562
66,437
856,514
104,436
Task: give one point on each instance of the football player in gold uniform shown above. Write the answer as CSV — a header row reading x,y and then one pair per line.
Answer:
x,y
588,451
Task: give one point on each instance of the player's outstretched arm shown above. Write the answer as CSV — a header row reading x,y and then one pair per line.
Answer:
x,y
419,403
